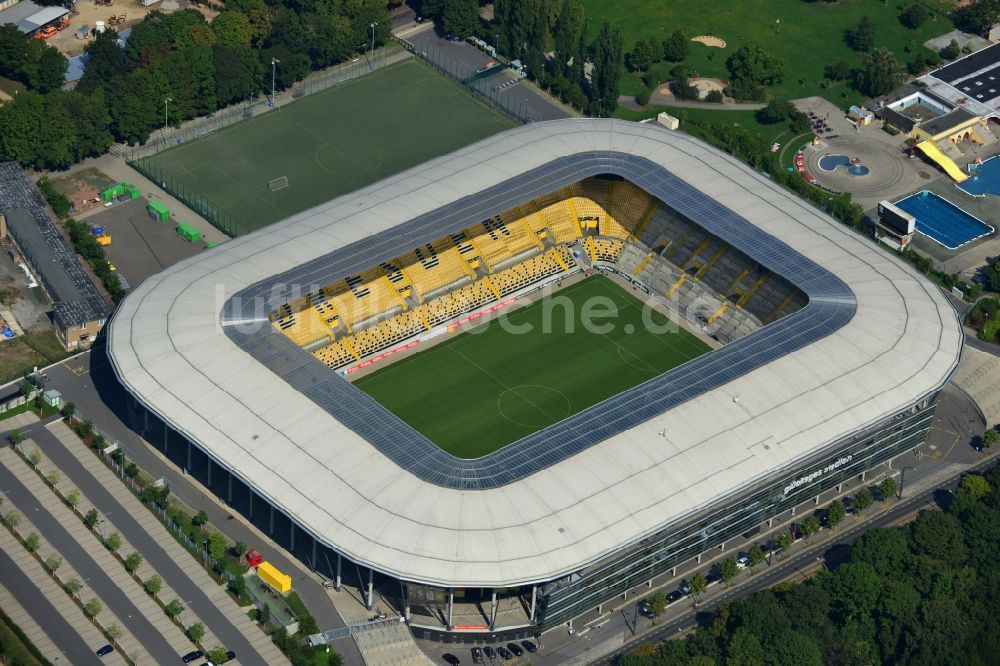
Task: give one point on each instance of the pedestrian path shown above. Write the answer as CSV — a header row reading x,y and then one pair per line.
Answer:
x,y
19,422
389,643
119,593
64,607
183,563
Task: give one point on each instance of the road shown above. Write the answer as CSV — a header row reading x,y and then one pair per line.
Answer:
x,y
96,581
45,614
88,381
171,572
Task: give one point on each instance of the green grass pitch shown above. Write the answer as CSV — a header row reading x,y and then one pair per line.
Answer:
x,y
328,144
491,386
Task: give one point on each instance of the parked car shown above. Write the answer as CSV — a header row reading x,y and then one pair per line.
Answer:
x,y
742,562
191,656
685,587
477,656
673,596
230,655
516,649
644,607
104,651
504,653
490,652
529,646
451,659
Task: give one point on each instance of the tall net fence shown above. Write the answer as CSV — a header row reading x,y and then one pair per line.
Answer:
x,y
190,197
491,88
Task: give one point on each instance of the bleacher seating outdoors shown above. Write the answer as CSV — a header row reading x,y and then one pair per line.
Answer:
x,y
364,314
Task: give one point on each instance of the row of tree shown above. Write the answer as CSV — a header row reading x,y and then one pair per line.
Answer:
x,y
199,66
922,594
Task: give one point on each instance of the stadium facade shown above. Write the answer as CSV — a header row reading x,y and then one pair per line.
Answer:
x,y
576,514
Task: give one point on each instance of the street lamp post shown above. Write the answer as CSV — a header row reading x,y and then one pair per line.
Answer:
x,y
274,61
166,105
371,64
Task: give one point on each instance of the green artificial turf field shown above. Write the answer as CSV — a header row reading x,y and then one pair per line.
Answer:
x,y
807,35
491,386
327,144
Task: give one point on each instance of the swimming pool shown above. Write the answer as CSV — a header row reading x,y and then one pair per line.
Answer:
x,y
942,221
831,162
984,179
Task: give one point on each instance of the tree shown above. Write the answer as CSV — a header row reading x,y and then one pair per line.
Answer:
x,y
810,526
657,604
69,410
136,105
174,608
132,562
606,74
199,519
153,585
881,72
744,649
939,536
566,33
106,62
114,633
43,67
232,28
800,123
977,16
217,546
92,608
698,584
265,615
714,96
728,569
862,500
914,15
460,17
216,655
52,478
238,585
990,437
838,70
951,51
11,520
308,626
756,555
239,549
785,541
975,485
835,513
31,542
85,429
887,488
15,437
776,111
34,458
26,387
90,519
73,586
53,562
751,68
853,589
862,37
675,47
644,54
196,632
113,542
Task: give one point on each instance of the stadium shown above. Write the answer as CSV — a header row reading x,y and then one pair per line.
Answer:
x,y
332,378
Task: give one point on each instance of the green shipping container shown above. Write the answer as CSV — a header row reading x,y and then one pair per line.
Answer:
x,y
132,192
158,211
188,233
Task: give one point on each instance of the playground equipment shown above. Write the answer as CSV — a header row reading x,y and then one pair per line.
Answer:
x,y
930,149
101,235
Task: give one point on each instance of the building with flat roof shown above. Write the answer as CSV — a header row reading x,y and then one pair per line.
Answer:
x,y
569,517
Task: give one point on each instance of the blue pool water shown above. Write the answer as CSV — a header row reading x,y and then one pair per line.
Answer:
x,y
985,179
831,162
942,221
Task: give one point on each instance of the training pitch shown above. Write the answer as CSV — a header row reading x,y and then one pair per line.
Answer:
x,y
491,386
327,144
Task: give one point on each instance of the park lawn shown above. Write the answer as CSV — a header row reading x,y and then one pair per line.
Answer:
x,y
491,386
810,35
779,132
327,144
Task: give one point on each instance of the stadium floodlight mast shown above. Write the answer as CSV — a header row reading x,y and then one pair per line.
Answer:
x,y
166,105
274,61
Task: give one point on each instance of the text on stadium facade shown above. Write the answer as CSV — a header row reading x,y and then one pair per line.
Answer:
x,y
809,478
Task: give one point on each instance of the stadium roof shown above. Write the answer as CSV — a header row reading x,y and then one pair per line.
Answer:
x,y
883,339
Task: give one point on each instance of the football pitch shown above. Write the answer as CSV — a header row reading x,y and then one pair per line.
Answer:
x,y
491,386
326,144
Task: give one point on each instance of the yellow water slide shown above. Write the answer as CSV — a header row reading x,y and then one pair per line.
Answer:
x,y
930,149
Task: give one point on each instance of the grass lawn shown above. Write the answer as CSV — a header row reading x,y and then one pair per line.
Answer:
x,y
327,144
810,35
491,386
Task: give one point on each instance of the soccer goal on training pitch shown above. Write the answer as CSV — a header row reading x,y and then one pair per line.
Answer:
x,y
277,184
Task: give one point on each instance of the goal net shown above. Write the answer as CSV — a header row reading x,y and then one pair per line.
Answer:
x,y
277,184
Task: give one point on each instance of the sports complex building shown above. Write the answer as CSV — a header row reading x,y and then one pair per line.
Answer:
x,y
817,356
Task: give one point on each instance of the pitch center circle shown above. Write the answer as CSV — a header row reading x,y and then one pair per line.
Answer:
x,y
533,405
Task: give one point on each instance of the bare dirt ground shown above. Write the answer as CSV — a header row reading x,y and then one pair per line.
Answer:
x,y
88,13
82,187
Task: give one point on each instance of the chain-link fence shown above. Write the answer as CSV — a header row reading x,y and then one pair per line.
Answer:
x,y
488,89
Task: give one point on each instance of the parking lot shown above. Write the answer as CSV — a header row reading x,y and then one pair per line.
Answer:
x,y
141,247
